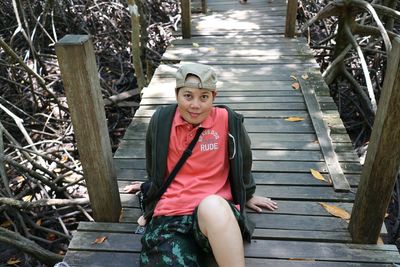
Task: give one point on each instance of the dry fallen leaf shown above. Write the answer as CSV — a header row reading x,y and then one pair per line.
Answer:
x,y
304,76
317,175
195,45
335,211
13,261
100,240
27,198
296,86
20,179
294,119
39,222
64,159
6,224
293,77
210,49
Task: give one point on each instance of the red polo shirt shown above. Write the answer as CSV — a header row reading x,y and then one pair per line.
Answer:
x,y
205,172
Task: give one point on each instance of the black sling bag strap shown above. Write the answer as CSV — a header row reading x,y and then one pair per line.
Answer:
x,y
175,170
186,154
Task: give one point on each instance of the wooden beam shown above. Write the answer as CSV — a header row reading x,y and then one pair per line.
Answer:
x,y
204,6
82,87
291,13
382,161
186,19
136,44
339,181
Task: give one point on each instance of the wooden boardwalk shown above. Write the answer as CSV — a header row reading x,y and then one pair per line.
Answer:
x,y
256,67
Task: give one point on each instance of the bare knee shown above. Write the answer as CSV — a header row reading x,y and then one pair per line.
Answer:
x,y
214,212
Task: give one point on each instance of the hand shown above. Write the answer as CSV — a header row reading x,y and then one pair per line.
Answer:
x,y
134,187
258,202
141,221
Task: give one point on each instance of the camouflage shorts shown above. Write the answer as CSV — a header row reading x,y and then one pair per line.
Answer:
x,y
175,241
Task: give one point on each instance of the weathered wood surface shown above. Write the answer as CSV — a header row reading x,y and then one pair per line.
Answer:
x,y
291,13
82,86
383,158
255,67
339,181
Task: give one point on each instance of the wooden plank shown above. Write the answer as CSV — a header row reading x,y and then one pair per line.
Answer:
x,y
238,39
263,106
182,45
262,150
219,32
318,251
309,193
340,182
267,126
107,227
259,233
286,207
262,178
115,242
272,11
229,99
284,151
302,235
122,242
301,193
256,138
95,259
178,53
158,86
233,72
259,166
301,166
298,222
166,100
226,24
254,60
299,262
287,178
116,259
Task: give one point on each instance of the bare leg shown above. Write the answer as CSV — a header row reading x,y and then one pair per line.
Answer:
x,y
217,222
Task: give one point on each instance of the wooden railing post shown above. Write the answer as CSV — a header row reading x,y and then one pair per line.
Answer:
x,y
186,19
382,161
204,6
136,43
291,13
82,87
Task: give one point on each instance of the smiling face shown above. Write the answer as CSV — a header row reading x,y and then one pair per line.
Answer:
x,y
194,104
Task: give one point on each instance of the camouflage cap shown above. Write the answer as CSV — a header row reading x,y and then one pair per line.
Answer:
x,y
206,74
